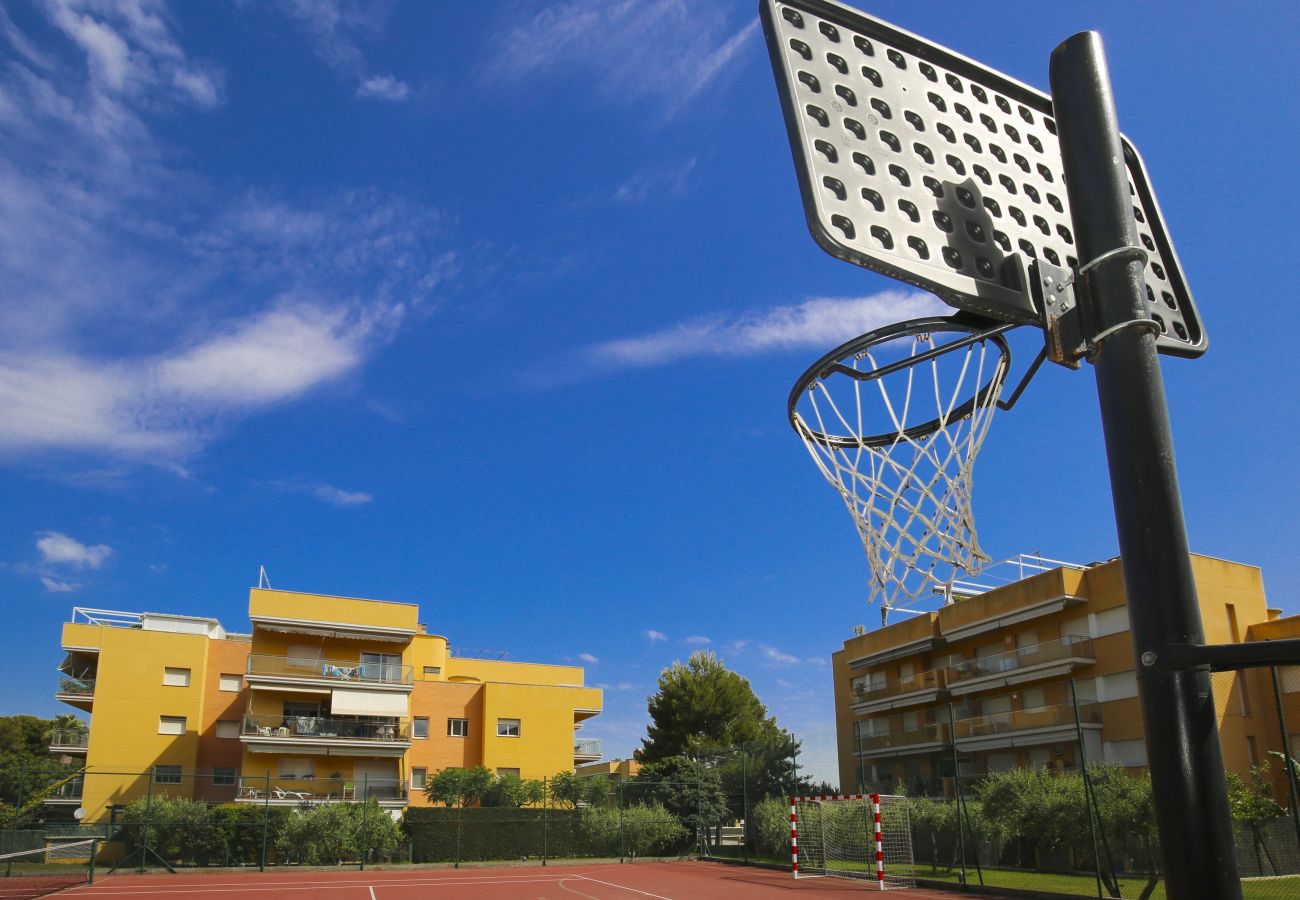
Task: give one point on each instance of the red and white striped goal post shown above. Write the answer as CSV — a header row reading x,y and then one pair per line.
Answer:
x,y
875,811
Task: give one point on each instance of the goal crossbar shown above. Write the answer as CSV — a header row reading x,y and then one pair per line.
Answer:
x,y
846,836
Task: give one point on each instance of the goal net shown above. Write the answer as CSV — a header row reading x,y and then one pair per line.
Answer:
x,y
862,836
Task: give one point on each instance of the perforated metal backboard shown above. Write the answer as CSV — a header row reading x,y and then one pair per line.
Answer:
x,y
923,165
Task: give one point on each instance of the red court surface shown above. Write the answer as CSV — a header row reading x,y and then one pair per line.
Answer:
x,y
662,880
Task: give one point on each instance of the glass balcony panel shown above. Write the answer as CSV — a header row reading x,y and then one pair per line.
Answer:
x,y
81,687
311,791
1026,720
894,686
317,728
70,738
1020,658
590,747
330,669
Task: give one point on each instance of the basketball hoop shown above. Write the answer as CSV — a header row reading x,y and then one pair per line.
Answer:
x,y
894,420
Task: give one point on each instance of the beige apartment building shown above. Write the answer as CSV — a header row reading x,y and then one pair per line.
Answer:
x,y
991,674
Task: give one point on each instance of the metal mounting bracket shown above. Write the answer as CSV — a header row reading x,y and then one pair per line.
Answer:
x,y
1053,288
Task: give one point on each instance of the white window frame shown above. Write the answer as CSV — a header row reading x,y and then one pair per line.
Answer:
x,y
227,678
176,676
509,728
508,771
167,774
415,728
230,726
458,728
166,724
419,778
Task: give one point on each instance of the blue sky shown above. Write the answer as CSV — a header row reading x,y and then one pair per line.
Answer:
x,y
494,307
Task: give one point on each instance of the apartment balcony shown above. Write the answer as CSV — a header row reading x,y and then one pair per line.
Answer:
x,y
896,693
377,736
69,740
388,793
78,692
67,794
586,750
1026,727
1050,659
901,739
264,669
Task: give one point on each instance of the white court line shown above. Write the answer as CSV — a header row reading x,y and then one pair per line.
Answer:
x,y
372,892
154,890
623,887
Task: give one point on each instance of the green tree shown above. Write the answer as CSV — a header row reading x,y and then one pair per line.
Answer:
x,y
689,789
702,706
512,791
459,787
1252,806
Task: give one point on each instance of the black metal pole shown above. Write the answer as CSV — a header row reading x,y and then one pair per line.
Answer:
x,y
1187,777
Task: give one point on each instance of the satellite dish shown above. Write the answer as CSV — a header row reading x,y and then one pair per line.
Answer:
x,y
80,813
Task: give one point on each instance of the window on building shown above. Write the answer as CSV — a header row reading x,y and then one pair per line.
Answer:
x,y
1033,698
381,666
166,774
507,728
877,681
906,671
418,777
514,772
171,724
1086,690
1026,643
420,727
231,682
458,727
294,709
228,728
1075,629
1111,621
287,767
1118,686
432,670
224,776
1126,753
910,721
176,677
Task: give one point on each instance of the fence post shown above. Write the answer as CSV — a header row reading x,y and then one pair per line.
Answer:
x,y
622,843
365,818
963,821
744,801
266,818
546,800
18,807
459,810
148,812
1088,801
1286,754
94,851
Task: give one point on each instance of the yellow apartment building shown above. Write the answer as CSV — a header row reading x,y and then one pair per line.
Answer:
x,y
326,699
991,674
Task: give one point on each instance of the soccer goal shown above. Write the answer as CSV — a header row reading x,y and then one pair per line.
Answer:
x,y
862,836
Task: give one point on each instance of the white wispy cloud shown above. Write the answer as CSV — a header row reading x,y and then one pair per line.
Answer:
x,y
59,549
662,51
55,586
652,635
818,322
327,493
697,640
655,182
144,310
774,655
336,29
588,658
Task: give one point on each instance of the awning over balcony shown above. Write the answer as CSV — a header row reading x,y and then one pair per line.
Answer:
x,y
346,631
367,703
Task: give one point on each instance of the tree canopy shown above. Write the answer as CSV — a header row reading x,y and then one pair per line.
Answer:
x,y
703,706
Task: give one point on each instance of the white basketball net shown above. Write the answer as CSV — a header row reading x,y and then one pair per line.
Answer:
x,y
910,496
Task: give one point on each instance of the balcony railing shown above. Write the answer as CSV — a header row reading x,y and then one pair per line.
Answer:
x,y
1022,658
932,680
78,687
330,669
1026,720
315,728
68,791
69,739
321,790
589,747
902,736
